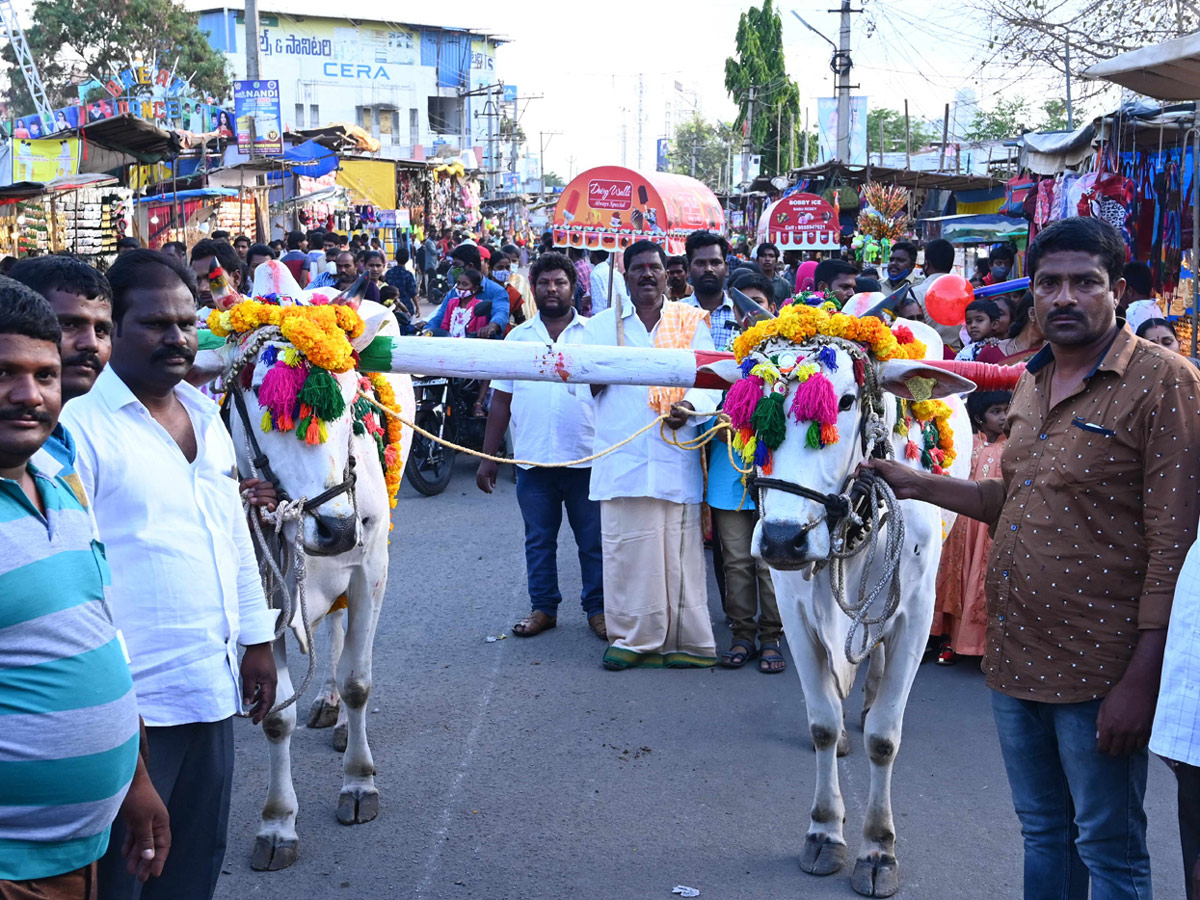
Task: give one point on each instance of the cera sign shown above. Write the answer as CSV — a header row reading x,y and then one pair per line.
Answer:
x,y
603,194
356,70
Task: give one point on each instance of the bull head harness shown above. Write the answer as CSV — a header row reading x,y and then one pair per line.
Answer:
x,y
259,461
856,517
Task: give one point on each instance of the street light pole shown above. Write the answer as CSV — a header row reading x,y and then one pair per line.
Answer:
x,y
252,39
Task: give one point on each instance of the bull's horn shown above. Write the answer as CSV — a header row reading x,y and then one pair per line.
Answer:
x,y
888,305
747,306
987,376
356,291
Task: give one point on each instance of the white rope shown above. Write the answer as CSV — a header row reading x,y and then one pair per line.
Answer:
x,y
274,573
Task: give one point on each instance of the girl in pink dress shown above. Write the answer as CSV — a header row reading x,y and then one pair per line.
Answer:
x,y
960,616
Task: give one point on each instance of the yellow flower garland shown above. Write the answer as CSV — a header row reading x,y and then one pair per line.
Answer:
x,y
321,333
801,323
393,468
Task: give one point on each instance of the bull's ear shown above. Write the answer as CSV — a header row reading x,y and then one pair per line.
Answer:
x,y
208,364
725,369
913,380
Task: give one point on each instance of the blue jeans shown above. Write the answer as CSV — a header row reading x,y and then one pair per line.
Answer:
x,y
542,494
1081,811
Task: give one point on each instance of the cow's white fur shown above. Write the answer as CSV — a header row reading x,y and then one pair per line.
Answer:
x,y
816,627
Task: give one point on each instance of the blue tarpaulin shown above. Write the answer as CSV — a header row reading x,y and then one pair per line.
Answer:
x,y
309,159
188,195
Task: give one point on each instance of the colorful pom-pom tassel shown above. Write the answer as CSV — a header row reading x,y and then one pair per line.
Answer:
x,y
269,355
769,421
265,424
322,392
829,435
746,366
827,357
292,356
860,371
815,401
812,438
762,453
748,449
742,398
912,451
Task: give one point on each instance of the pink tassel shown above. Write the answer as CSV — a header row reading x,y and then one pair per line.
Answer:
x,y
815,401
912,451
389,455
279,389
742,398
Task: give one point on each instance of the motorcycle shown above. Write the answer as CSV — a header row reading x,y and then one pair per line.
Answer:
x,y
444,408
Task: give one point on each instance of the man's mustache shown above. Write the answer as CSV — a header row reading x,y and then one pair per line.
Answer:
x,y
173,353
91,360
1064,314
13,413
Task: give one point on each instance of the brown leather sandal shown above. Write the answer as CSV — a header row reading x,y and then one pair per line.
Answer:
x,y
598,626
533,624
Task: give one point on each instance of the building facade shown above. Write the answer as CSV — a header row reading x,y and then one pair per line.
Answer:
x,y
408,85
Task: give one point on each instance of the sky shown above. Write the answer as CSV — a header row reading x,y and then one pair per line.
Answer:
x,y
587,67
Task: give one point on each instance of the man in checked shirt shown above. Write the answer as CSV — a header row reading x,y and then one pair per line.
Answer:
x,y
1092,520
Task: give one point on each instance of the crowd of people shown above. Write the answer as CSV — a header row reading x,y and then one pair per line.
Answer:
x,y
144,607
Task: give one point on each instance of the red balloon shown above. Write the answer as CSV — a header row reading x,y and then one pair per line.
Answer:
x,y
947,299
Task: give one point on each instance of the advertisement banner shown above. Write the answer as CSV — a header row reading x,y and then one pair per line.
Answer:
x,y
256,103
45,160
800,221
661,163
827,129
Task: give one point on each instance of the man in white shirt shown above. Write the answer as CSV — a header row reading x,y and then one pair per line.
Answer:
x,y
160,469
655,594
1176,733
602,272
549,424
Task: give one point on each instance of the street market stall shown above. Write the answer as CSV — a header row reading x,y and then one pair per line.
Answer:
x,y
1170,71
610,207
81,214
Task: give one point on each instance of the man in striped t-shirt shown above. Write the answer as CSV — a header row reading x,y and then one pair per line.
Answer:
x,y
69,738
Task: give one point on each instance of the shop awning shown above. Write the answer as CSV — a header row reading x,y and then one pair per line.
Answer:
x,y
984,229
611,207
188,195
1166,71
370,181
936,181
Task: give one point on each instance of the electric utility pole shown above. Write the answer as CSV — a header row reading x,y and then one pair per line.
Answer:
x,y
749,136
841,68
252,40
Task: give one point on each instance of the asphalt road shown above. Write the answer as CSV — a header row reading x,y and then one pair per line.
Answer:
x,y
520,770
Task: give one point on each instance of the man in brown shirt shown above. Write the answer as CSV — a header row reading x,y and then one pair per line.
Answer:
x,y
1092,520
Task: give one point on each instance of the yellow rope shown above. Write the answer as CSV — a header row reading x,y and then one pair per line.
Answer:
x,y
658,420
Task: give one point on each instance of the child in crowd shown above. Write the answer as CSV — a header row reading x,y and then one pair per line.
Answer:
x,y
460,319
983,324
960,617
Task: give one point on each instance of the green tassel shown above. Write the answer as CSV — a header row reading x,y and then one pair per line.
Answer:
x,y
812,439
302,427
322,394
769,420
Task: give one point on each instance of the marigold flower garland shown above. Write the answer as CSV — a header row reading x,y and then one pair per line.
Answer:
x,y
755,403
387,436
321,333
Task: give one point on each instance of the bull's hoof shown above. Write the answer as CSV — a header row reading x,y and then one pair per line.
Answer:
x,y
843,747
878,877
339,739
822,855
272,854
357,806
322,714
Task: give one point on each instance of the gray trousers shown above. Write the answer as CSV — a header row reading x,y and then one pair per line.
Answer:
x,y
749,591
191,767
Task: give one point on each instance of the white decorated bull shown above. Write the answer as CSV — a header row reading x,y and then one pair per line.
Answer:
x,y
854,569
296,419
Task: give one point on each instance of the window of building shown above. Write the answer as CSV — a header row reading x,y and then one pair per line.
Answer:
x,y
414,128
445,115
299,115
314,116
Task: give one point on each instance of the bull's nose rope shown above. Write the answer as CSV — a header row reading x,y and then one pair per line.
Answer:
x,y
876,492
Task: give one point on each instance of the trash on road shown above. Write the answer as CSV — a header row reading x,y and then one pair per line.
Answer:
x,y
684,891
491,638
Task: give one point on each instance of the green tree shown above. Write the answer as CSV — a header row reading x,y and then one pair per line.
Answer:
x,y
76,40
1004,120
699,149
919,133
553,179
1054,114
760,69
